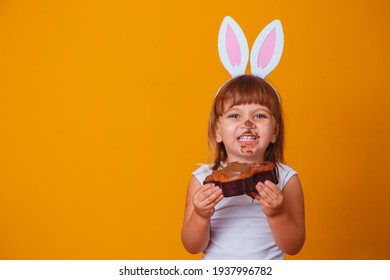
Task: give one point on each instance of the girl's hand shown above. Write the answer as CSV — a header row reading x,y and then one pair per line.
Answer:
x,y
205,199
270,197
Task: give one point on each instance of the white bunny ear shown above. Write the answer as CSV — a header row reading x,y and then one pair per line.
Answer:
x,y
267,49
233,47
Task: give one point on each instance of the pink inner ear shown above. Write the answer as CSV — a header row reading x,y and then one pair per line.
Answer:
x,y
267,50
233,47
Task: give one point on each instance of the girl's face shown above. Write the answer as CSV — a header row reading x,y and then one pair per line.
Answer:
x,y
246,131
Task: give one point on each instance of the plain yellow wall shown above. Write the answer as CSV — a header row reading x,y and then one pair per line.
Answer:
x,y
104,107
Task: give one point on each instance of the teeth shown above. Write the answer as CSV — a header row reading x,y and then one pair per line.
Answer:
x,y
247,138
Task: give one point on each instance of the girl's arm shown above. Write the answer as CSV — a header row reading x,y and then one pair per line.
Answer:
x,y
285,213
199,208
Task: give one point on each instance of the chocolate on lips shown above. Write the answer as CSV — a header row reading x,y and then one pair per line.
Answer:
x,y
241,178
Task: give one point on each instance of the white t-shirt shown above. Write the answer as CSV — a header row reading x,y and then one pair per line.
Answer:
x,y
239,228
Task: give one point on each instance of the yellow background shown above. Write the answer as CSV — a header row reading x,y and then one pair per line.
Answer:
x,y
104,107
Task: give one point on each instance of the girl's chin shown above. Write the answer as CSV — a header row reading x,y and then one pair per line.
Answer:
x,y
247,150
249,158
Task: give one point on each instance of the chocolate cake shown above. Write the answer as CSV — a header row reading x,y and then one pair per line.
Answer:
x,y
241,178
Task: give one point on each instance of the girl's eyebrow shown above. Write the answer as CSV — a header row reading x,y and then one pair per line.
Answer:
x,y
263,110
231,109
234,108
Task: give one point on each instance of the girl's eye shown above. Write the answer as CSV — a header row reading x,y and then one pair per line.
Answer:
x,y
234,116
260,116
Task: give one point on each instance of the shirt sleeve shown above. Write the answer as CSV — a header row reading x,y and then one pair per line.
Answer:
x,y
285,174
202,172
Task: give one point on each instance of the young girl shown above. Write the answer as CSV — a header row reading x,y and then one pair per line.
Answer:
x,y
245,125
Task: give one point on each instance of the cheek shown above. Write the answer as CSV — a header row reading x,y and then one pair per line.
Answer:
x,y
267,132
229,129
227,132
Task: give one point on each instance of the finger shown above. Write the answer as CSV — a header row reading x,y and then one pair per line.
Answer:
x,y
270,190
215,196
264,204
209,185
202,189
208,196
273,187
219,198
202,193
266,201
260,187
206,191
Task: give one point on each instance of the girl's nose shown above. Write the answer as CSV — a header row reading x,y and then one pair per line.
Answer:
x,y
248,124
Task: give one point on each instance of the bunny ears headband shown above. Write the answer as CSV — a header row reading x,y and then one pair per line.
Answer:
x,y
234,52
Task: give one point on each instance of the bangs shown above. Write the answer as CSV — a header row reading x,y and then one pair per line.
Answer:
x,y
247,89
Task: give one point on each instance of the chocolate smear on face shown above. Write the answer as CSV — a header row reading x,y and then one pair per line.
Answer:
x,y
248,124
247,149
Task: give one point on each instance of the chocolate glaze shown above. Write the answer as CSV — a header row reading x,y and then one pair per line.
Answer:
x,y
241,178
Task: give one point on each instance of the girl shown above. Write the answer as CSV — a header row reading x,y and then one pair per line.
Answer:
x,y
245,125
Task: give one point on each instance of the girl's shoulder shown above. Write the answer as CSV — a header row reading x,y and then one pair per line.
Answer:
x,y
285,174
202,172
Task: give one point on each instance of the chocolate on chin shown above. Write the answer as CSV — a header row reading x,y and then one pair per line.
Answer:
x,y
241,178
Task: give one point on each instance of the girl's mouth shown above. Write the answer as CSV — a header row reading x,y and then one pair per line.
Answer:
x,y
247,139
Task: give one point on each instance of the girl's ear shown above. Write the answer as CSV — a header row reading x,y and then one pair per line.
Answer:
x,y
233,47
275,134
267,49
218,136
